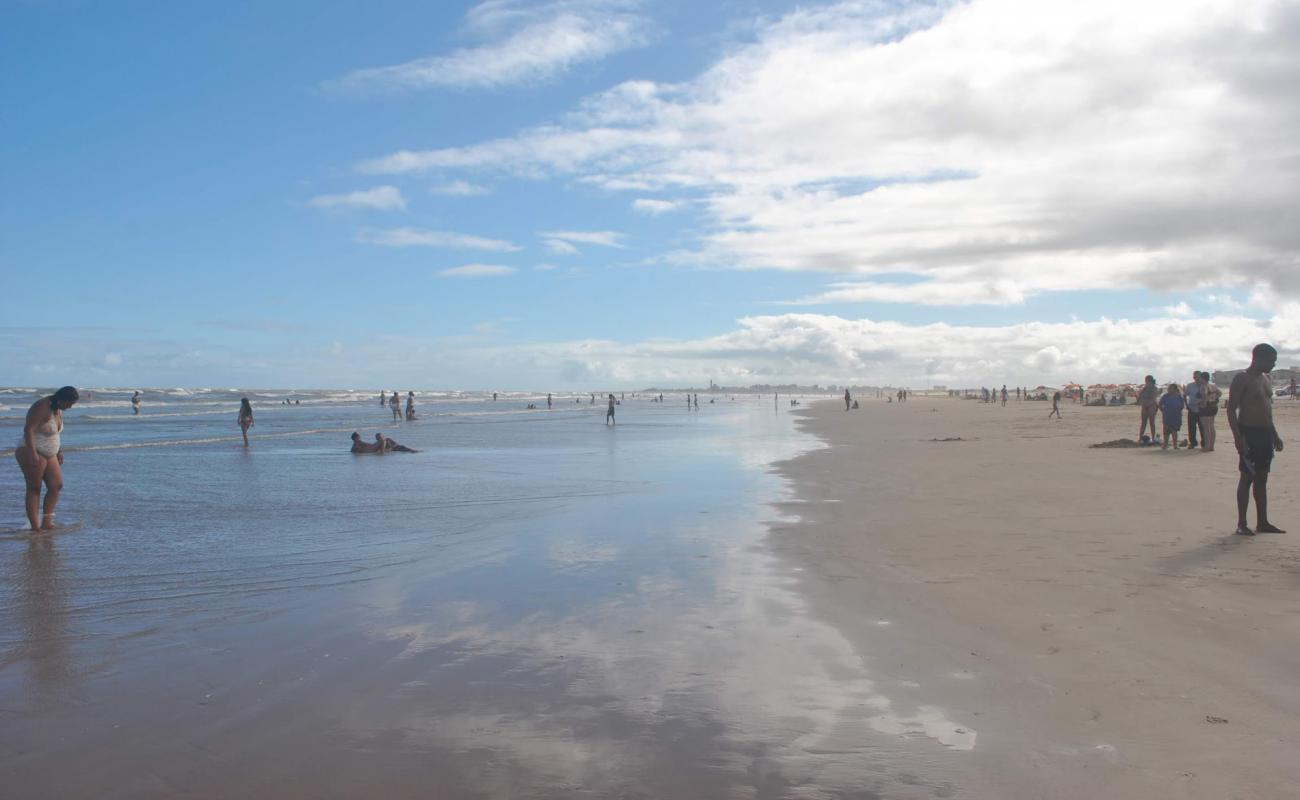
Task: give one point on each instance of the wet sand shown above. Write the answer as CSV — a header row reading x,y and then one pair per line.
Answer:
x,y
1086,613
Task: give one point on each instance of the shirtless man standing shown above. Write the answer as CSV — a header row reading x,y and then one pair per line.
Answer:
x,y
1250,416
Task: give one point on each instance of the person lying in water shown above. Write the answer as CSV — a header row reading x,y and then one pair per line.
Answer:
x,y
359,446
391,445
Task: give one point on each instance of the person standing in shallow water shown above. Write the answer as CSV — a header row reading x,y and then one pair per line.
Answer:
x,y
245,418
609,413
1250,416
395,405
40,455
135,403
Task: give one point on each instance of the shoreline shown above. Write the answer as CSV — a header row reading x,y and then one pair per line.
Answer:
x,y
1087,612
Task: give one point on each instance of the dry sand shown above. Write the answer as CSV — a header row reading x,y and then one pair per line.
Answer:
x,y
1086,612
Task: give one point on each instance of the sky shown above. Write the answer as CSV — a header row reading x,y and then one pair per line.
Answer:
x,y
584,194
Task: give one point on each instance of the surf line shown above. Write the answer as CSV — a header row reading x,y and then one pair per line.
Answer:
x,y
178,442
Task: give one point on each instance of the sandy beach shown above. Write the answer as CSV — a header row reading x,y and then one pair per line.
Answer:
x,y
1085,613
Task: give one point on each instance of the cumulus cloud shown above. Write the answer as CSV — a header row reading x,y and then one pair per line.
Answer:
x,y
816,348
383,198
1027,146
523,43
476,271
413,237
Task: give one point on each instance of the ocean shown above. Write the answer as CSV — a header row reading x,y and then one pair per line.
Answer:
x,y
534,604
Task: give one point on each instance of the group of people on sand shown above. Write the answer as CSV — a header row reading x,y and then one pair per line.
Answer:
x,y
1200,399
394,403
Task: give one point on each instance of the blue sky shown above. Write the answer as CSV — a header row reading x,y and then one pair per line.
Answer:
x,y
603,192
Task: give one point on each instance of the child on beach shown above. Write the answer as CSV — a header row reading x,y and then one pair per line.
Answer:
x,y
1171,409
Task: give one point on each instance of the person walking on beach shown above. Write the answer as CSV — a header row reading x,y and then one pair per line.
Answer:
x,y
1171,412
1250,416
1004,395
1210,394
1192,396
1149,400
848,401
135,404
40,455
245,418
1056,406
609,413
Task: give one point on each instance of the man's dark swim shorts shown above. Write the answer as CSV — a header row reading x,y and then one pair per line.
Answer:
x,y
1259,448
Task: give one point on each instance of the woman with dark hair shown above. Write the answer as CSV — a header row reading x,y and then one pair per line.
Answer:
x,y
40,454
245,418
1149,401
410,406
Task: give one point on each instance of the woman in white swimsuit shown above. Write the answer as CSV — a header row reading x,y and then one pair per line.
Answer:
x,y
40,454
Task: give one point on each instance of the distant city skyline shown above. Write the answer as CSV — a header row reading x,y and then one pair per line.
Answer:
x,y
609,193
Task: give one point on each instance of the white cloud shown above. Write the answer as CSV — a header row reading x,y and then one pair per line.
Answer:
x,y
112,359
412,237
1180,309
930,293
526,43
816,348
476,271
565,243
1033,146
647,205
460,189
383,198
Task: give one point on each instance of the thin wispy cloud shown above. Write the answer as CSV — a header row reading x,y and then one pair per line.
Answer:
x,y
382,198
477,271
459,189
1027,147
928,293
565,243
653,207
524,43
414,237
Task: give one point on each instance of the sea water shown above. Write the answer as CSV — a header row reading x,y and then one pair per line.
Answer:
x,y
535,604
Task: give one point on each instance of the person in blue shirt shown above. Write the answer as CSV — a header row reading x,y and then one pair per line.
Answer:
x,y
1171,409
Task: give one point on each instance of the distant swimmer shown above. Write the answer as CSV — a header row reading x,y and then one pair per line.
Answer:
x,y
609,413
848,401
391,445
40,455
360,446
410,406
135,403
1056,406
1250,416
245,418
395,405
